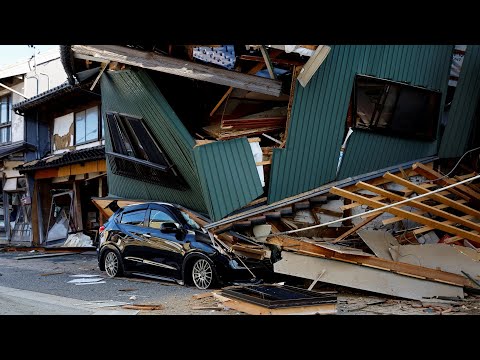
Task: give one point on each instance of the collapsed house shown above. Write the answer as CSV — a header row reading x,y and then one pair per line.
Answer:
x,y
304,143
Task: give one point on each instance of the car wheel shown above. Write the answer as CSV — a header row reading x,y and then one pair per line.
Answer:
x,y
112,263
202,274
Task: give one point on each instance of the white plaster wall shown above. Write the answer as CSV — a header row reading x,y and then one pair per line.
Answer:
x,y
61,127
17,120
56,76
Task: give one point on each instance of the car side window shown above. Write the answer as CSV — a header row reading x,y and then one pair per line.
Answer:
x,y
133,218
158,217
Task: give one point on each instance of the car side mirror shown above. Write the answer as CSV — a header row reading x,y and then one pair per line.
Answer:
x,y
169,227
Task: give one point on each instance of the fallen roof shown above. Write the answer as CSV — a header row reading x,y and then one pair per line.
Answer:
x,y
66,158
12,148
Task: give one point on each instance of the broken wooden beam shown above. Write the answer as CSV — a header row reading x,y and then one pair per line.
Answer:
x,y
170,65
406,214
356,228
440,198
462,190
421,206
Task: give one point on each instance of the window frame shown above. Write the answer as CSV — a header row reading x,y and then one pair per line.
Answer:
x,y
100,131
145,210
432,125
7,124
127,147
164,210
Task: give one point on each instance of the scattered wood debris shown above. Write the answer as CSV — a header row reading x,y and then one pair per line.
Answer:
x,y
144,307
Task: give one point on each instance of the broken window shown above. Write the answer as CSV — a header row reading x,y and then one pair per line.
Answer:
x,y
5,119
87,126
136,153
395,109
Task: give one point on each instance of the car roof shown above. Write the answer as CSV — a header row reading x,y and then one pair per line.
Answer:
x,y
148,203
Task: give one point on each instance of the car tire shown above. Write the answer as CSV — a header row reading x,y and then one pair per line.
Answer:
x,y
113,264
203,273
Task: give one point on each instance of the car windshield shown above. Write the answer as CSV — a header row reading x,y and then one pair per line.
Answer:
x,y
190,221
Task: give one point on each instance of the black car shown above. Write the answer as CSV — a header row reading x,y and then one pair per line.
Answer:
x,y
160,240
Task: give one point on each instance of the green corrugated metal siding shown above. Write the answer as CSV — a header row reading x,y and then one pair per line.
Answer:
x,y
228,174
464,104
319,112
133,92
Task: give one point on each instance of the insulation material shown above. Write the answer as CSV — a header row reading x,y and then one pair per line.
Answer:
x,y
220,55
78,240
258,157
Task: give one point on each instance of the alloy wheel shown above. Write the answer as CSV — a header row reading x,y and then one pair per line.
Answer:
x,y
202,274
111,264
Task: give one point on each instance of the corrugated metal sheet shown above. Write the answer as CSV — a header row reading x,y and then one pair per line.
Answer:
x,y
134,93
228,175
319,111
465,101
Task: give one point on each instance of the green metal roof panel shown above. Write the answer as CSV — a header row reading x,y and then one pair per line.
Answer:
x,y
134,93
464,105
319,112
228,175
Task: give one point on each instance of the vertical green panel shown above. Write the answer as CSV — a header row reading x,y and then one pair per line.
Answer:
x,y
228,174
317,123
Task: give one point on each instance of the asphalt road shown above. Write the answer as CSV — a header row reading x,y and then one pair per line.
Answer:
x,y
51,276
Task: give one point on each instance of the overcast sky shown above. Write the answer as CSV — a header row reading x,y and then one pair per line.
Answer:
x,y
12,53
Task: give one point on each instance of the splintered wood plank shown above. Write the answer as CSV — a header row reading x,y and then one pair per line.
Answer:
x,y
355,228
362,277
440,198
300,244
179,67
295,72
421,206
406,214
461,190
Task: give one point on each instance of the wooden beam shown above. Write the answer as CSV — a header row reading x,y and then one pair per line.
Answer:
x,y
407,215
169,65
356,228
354,204
103,67
371,261
295,72
263,163
428,228
268,62
275,61
462,190
252,71
455,204
77,206
421,206
395,219
313,64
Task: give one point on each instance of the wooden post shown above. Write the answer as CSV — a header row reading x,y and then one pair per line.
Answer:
x,y
100,194
77,206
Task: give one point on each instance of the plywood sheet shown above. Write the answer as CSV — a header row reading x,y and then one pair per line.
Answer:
x,y
379,242
445,257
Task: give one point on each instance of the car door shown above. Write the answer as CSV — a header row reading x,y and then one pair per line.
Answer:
x,y
132,226
165,250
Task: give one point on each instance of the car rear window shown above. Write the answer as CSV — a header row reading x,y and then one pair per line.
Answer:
x,y
133,218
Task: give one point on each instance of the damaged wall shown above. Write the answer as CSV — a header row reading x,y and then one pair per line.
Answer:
x,y
18,122
133,92
319,112
228,175
462,115
63,130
